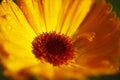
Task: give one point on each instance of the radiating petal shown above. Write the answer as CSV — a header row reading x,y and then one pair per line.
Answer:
x,y
51,10
99,20
50,15
16,36
100,54
34,12
13,25
41,14
71,15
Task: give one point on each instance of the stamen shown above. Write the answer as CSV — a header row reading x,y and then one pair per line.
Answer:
x,y
54,48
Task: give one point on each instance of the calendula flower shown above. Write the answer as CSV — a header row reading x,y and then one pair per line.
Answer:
x,y
57,39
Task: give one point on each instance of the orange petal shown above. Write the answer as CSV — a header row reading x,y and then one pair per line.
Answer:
x,y
101,54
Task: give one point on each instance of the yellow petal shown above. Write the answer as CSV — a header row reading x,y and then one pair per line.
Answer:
x,y
16,36
51,10
17,59
71,15
13,25
15,65
63,16
45,70
41,14
33,11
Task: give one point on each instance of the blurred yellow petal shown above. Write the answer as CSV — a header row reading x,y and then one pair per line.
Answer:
x,y
39,70
16,36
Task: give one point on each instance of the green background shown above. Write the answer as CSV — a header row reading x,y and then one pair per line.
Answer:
x,y
116,8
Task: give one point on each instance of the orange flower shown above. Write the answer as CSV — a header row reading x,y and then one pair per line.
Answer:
x,y
57,39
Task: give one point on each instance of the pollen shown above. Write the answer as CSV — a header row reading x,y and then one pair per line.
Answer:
x,y
54,48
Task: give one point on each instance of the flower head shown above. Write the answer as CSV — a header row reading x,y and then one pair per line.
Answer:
x,y
58,38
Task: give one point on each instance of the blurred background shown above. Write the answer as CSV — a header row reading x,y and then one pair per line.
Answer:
x,y
116,8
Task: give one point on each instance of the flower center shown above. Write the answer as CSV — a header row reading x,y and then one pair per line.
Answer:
x,y
54,48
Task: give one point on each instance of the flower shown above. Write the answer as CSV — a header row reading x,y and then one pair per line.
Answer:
x,y
58,38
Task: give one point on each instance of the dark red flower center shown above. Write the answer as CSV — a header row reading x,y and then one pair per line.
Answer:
x,y
54,48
